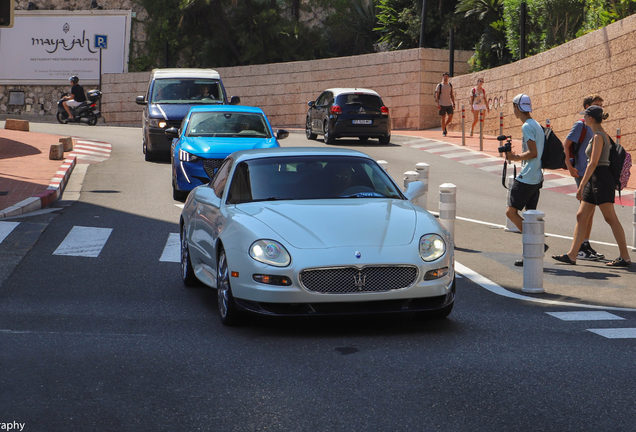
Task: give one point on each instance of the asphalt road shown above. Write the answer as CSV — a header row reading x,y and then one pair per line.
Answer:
x,y
117,343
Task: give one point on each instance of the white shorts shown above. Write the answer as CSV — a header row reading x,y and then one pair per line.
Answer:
x,y
73,103
479,107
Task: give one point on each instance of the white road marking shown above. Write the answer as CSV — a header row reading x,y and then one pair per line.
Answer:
x,y
6,228
615,333
172,250
84,241
584,316
180,205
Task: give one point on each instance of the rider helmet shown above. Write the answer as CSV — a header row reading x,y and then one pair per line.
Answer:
x,y
74,79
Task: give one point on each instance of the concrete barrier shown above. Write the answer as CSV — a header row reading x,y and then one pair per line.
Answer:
x,y
56,152
18,125
68,143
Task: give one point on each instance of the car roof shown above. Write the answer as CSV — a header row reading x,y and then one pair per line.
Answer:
x,y
226,108
185,73
243,155
339,91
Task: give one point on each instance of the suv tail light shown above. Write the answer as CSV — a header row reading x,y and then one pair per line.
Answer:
x,y
384,110
336,109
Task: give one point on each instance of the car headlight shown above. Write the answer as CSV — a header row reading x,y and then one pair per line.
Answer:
x,y
432,246
158,123
184,156
270,252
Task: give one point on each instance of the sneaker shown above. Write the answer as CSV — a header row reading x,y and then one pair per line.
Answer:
x,y
444,133
519,263
593,252
587,253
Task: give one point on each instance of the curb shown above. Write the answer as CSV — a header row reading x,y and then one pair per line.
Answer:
x,y
46,198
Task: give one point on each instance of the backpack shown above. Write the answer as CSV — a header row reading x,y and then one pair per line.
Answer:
x,y
553,156
438,91
574,149
620,165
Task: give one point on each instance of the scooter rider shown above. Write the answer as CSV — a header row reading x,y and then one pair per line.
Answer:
x,y
76,97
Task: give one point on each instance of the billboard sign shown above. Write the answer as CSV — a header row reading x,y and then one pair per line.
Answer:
x,y
47,47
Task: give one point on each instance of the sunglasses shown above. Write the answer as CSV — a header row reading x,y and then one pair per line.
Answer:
x,y
480,81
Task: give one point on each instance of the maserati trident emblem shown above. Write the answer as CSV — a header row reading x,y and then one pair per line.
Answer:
x,y
360,280
358,254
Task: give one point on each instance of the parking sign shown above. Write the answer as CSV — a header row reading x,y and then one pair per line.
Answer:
x,y
101,41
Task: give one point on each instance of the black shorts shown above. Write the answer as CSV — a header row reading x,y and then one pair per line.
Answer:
x,y
446,110
600,189
523,195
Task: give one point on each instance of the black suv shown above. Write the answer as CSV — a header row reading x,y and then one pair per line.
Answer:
x,y
348,112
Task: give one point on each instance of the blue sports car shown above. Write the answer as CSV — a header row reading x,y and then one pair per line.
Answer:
x,y
208,134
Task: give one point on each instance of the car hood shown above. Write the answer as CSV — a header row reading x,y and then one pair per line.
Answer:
x,y
175,112
338,223
223,146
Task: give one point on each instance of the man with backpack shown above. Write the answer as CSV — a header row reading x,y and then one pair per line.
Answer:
x,y
524,193
576,163
445,100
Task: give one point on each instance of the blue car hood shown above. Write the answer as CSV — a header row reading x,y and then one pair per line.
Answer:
x,y
175,112
220,147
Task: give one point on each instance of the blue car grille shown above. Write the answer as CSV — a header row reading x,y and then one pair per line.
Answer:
x,y
344,280
211,165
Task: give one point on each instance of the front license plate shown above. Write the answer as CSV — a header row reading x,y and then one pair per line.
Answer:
x,y
364,122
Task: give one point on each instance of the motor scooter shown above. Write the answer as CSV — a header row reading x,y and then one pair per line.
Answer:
x,y
87,112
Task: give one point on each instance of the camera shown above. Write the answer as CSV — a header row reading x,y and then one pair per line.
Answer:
x,y
507,147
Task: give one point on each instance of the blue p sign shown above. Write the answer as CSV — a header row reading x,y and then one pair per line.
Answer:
x,y
101,41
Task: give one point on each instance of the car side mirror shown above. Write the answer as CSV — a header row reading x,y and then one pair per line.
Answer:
x,y
141,100
311,103
415,190
281,134
205,195
235,100
172,132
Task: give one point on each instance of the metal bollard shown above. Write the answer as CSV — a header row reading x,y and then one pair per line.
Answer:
x,y
410,177
634,225
501,123
533,253
384,164
463,126
448,207
618,136
547,123
423,170
509,225
481,130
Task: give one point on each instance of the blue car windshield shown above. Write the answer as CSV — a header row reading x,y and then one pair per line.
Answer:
x,y
227,124
310,177
187,91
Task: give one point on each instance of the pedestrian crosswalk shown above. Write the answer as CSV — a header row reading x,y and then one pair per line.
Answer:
x,y
585,316
89,242
90,151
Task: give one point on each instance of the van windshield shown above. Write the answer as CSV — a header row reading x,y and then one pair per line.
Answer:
x,y
190,91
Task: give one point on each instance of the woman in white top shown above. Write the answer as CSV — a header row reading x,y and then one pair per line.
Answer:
x,y
478,102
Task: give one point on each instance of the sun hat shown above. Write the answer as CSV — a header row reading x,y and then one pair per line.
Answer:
x,y
522,100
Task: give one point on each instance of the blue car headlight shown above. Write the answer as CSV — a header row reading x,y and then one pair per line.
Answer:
x,y
270,252
432,246
184,156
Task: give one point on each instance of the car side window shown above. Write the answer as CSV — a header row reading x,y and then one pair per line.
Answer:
x,y
321,99
220,178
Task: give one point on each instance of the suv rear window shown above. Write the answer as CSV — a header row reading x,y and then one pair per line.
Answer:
x,y
365,100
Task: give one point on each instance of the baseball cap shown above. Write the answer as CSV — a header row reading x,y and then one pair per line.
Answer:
x,y
522,100
445,73
596,112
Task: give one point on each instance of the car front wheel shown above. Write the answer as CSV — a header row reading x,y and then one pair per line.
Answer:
x,y
308,132
187,272
230,316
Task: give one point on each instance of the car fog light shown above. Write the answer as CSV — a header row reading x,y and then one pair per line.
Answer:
x,y
436,274
270,252
432,246
272,280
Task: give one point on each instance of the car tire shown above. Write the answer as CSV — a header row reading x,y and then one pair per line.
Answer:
x,y
228,312
187,272
308,132
327,134
363,139
148,155
178,195
385,139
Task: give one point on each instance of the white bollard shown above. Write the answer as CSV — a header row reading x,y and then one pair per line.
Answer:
x,y
410,177
448,207
533,251
509,225
481,130
634,225
501,123
423,170
384,164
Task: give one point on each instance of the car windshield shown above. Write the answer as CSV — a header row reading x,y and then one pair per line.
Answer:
x,y
190,91
227,124
365,100
310,177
